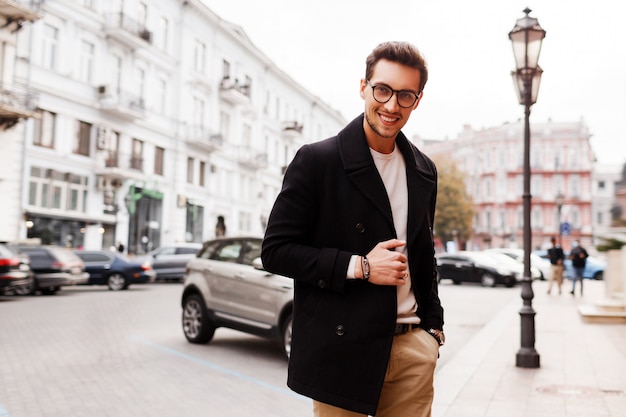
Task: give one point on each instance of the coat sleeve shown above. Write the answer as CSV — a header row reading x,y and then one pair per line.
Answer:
x,y
288,247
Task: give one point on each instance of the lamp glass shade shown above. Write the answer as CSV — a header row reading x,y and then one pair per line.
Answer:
x,y
518,82
527,37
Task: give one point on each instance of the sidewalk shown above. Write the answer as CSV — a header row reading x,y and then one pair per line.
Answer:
x,y
582,372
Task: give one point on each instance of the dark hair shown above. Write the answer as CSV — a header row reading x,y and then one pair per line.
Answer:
x,y
401,52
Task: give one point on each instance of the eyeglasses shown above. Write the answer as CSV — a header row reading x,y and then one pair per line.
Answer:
x,y
382,93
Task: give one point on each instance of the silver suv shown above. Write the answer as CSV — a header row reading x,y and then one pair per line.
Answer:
x,y
226,286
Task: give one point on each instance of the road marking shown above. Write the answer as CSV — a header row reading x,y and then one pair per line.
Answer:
x,y
216,367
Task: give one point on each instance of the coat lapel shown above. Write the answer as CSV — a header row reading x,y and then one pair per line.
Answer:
x,y
359,165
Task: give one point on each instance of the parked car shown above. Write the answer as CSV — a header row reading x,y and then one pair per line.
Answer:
x,y
114,270
169,262
594,268
477,266
226,286
538,264
15,273
53,267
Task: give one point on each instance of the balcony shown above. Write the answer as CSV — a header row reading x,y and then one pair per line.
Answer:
x,y
120,103
116,167
233,92
251,158
15,103
203,139
16,12
127,31
291,129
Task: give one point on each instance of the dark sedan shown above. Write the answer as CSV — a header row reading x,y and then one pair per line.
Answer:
x,y
114,269
53,267
15,273
473,266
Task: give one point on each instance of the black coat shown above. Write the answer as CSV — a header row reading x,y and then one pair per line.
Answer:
x,y
332,205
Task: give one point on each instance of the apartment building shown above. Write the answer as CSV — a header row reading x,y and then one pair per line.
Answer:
x,y
154,119
561,162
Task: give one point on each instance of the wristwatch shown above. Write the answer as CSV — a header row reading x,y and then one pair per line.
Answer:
x,y
438,335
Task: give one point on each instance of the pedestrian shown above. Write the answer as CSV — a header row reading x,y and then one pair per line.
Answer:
x,y
579,256
120,247
353,226
556,256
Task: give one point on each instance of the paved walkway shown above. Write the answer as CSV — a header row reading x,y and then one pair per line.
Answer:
x,y
582,372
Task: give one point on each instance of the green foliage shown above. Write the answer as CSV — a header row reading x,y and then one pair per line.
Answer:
x,y
454,211
610,244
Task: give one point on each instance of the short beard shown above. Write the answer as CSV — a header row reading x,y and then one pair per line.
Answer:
x,y
375,129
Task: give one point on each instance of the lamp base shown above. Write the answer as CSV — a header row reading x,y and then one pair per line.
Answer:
x,y
527,358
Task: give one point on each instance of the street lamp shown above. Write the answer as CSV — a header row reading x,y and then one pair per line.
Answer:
x,y
559,205
527,37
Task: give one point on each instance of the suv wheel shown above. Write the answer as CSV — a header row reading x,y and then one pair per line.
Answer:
x,y
196,323
49,290
116,282
287,336
488,280
29,289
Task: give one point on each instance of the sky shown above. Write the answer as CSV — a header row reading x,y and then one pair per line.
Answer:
x,y
322,45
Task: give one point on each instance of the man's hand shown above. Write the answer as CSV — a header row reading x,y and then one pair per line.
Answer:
x,y
388,267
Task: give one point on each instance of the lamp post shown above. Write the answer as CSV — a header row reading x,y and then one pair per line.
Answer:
x,y
559,205
526,38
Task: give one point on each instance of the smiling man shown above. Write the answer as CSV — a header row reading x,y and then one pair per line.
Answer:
x,y
352,226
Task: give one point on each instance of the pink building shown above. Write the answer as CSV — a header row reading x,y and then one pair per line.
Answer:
x,y
561,161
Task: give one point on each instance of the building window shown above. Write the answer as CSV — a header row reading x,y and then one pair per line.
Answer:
x,y
136,158
142,15
87,57
50,46
163,34
225,69
161,96
140,83
199,57
116,74
57,190
601,185
195,223
82,138
159,154
44,129
225,126
198,112
190,170
201,179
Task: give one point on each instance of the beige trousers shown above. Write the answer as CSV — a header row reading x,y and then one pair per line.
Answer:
x,y
556,277
408,388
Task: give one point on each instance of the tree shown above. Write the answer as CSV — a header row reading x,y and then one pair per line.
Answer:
x,y
454,212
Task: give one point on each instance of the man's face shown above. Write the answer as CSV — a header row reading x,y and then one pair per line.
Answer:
x,y
384,120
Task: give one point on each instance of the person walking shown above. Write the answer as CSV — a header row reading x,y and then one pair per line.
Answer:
x,y
556,256
353,226
579,256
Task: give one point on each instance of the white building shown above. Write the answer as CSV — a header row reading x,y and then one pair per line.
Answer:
x,y
154,118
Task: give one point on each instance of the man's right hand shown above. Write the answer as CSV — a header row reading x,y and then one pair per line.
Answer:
x,y
388,267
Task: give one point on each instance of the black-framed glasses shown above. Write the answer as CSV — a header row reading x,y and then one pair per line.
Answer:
x,y
382,93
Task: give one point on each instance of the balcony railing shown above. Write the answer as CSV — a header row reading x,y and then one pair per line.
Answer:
x,y
121,103
122,28
18,11
203,138
16,103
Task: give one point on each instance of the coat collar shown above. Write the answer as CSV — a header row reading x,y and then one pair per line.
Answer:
x,y
359,165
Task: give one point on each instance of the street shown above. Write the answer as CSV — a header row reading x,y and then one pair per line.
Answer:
x,y
90,352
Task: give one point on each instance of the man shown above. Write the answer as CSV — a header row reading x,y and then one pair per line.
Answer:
x,y
353,226
556,256
579,256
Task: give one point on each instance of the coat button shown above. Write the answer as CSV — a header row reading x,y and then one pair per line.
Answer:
x,y
321,283
360,227
340,330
